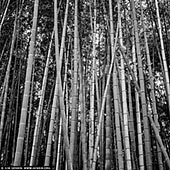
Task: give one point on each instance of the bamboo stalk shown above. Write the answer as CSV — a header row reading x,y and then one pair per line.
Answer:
x,y
21,133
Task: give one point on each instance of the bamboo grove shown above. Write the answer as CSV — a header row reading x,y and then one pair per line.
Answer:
x,y
85,84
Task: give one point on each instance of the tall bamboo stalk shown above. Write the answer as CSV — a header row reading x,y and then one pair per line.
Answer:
x,y
74,114
59,143
138,113
108,120
92,91
124,99
117,121
21,133
29,117
83,114
54,103
131,127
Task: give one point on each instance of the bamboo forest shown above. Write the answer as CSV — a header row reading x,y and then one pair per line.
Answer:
x,y
84,84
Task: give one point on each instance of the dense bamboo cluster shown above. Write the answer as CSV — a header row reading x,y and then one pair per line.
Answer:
x,y
85,85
